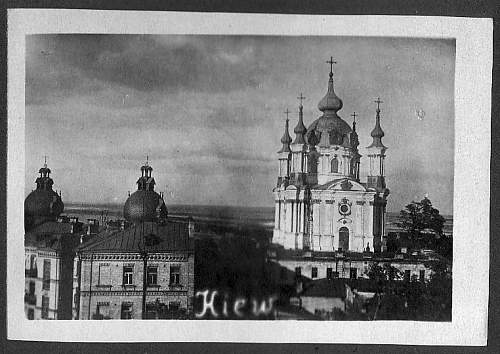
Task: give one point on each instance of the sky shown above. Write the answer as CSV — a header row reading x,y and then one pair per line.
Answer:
x,y
209,112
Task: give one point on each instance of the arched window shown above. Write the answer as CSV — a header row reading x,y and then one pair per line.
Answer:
x,y
335,165
344,239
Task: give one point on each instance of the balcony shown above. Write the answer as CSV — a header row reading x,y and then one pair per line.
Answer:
x,y
31,273
30,299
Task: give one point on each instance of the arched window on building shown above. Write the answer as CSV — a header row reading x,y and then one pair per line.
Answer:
x,y
335,165
344,239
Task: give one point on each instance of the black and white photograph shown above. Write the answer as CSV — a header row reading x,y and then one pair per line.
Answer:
x,y
290,178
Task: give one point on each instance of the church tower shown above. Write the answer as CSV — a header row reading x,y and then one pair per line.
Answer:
x,y
320,203
376,180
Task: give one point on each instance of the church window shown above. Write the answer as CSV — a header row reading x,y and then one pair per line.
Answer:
x,y
335,165
128,272
343,239
314,272
46,274
175,275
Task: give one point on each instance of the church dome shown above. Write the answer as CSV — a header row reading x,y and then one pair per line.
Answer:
x,y
43,203
329,129
145,204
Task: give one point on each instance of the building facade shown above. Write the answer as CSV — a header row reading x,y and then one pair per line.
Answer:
x,y
49,241
143,271
320,203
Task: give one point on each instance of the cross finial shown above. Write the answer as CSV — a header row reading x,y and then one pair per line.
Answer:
x,y
287,112
301,98
378,102
354,115
147,160
44,160
331,62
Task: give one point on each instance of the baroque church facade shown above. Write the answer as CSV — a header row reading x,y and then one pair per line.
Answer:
x,y
321,204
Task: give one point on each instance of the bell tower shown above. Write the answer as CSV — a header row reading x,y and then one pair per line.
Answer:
x,y
299,150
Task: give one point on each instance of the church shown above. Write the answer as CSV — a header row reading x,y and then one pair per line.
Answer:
x,y
321,204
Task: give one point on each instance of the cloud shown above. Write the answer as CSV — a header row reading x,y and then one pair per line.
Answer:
x,y
68,64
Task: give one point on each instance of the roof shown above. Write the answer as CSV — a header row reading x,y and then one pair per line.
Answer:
x,y
325,288
54,235
149,235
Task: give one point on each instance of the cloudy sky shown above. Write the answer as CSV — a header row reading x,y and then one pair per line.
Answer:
x,y
208,110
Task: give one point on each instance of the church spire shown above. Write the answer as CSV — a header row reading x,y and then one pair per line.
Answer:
x,y
300,129
330,102
377,132
286,139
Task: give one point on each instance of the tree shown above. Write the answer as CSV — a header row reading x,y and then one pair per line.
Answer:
x,y
423,223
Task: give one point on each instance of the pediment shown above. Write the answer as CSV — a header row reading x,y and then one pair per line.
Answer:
x,y
347,184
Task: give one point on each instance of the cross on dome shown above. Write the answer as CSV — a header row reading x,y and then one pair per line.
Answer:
x,y
301,98
287,112
354,115
331,62
378,102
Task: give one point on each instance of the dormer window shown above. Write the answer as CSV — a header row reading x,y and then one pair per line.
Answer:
x,y
334,165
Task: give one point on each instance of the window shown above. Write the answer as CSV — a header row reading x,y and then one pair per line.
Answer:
x,y
46,274
101,311
328,273
45,307
407,275
175,275
298,272
335,165
128,272
104,274
152,275
31,314
32,288
126,311
174,306
353,274
314,272
33,261
422,275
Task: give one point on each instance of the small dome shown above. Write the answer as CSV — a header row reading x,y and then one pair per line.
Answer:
x,y
330,102
144,205
43,203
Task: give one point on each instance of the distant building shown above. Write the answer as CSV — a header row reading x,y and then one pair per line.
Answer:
x,y
49,244
144,269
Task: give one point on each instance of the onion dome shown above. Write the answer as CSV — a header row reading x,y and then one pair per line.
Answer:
x,y
43,203
329,129
145,204
377,132
300,129
286,139
330,102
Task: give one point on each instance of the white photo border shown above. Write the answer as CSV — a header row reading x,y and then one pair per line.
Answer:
x,y
473,70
